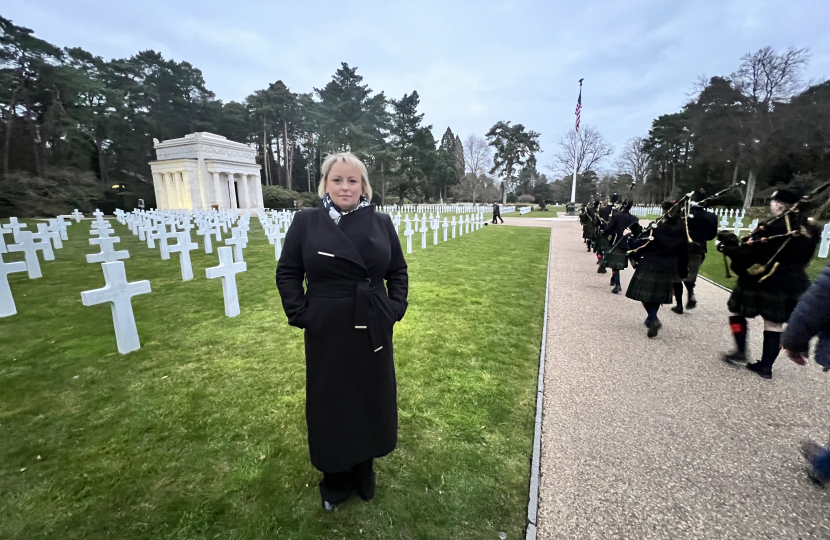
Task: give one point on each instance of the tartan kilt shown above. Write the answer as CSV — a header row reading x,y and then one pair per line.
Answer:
x,y
649,286
695,260
773,305
603,244
616,259
588,231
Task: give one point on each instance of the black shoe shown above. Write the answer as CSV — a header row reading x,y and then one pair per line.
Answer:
x,y
654,327
734,357
616,289
601,270
761,372
647,323
692,303
678,309
366,487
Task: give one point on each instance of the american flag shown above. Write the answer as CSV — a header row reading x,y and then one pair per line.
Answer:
x,y
578,107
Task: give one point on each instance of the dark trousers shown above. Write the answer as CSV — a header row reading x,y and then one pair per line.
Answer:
x,y
495,217
337,487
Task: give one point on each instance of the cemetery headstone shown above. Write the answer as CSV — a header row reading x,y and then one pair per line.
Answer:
x,y
118,293
227,271
183,247
7,307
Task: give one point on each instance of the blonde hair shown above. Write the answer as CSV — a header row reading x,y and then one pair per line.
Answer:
x,y
351,159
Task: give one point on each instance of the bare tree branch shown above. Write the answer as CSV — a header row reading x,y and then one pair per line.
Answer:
x,y
477,155
588,146
634,160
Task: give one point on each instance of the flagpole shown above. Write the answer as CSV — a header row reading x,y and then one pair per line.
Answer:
x,y
576,147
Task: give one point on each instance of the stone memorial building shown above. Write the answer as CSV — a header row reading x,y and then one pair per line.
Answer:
x,y
204,170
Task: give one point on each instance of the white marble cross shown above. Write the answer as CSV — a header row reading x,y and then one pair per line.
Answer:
x,y
205,231
724,223
444,224
30,248
453,226
118,293
227,270
275,237
58,225
77,215
163,235
107,253
408,233
434,227
3,233
423,230
824,247
183,248
467,224
7,307
15,227
237,241
50,234
739,223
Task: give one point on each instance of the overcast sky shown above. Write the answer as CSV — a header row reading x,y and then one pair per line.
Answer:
x,y
473,63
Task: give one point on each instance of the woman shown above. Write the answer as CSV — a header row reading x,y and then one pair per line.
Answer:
x,y
659,267
771,278
345,251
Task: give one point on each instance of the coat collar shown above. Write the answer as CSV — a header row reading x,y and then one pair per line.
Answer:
x,y
340,245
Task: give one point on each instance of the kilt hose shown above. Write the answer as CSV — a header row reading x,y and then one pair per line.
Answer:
x,y
773,305
650,286
695,260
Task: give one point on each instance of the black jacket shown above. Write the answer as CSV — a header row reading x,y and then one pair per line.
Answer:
x,y
347,314
617,226
811,317
789,277
667,253
703,227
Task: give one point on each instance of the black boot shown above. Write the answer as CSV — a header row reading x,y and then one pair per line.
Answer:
x,y
616,289
772,346
692,302
363,475
738,325
654,327
678,298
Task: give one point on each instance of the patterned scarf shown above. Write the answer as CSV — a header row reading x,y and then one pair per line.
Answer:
x,y
336,213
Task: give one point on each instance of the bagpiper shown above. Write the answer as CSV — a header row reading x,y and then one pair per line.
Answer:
x,y
615,258
770,263
701,227
586,218
657,264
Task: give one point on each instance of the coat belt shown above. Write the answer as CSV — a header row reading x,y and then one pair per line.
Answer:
x,y
364,293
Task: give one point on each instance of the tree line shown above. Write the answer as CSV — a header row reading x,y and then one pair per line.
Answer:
x,y
65,109
761,124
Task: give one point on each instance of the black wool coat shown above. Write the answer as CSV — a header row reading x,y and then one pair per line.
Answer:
x,y
347,314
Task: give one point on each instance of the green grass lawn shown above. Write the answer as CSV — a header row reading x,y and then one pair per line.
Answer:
x,y
550,212
201,433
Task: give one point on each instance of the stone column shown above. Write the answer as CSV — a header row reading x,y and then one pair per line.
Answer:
x,y
158,188
217,193
188,194
203,205
246,194
258,183
232,190
170,180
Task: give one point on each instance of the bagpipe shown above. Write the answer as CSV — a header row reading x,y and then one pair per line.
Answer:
x,y
695,231
759,254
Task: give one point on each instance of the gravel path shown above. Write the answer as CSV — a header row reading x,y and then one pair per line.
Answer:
x,y
657,438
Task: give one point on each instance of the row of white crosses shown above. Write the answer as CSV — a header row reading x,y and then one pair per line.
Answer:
x,y
465,225
154,225
467,208
47,237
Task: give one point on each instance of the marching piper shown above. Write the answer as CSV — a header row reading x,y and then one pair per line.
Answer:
x,y
657,268
770,264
